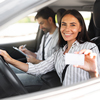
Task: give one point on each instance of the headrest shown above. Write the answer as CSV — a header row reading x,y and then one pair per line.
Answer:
x,y
96,40
96,14
60,13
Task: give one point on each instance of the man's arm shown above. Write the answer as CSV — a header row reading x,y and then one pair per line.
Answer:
x,y
26,51
33,59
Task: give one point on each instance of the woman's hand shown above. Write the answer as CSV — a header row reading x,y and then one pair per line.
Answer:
x,y
6,56
90,62
14,62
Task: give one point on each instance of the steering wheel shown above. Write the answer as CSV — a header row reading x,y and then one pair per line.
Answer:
x,y
10,85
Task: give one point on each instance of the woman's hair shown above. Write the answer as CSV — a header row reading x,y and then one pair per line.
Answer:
x,y
82,36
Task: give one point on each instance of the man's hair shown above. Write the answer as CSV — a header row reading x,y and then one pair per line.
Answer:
x,y
45,13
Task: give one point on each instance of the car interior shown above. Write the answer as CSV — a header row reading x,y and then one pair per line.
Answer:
x,y
16,84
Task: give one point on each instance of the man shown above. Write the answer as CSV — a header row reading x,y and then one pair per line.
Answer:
x,y
46,19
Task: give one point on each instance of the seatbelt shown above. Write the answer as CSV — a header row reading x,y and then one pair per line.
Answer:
x,y
64,71
43,47
43,53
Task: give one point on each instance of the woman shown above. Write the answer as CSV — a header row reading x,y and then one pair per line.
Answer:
x,y
72,38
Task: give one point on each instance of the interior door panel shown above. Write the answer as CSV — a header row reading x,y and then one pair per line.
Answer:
x,y
31,45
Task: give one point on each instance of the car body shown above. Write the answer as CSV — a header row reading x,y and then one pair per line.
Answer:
x,y
12,11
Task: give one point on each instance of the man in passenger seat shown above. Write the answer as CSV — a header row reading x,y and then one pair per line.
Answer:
x,y
46,19
49,43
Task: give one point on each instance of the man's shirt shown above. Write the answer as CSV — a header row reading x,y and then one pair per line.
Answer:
x,y
50,45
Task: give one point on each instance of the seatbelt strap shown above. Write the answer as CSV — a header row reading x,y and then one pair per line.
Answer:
x,y
43,53
64,71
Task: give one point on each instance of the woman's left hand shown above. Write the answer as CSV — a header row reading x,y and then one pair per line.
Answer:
x,y
90,62
6,56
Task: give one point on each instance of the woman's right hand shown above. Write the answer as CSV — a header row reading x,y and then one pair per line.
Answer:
x,y
90,62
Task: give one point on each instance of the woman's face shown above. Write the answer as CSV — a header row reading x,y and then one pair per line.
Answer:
x,y
70,27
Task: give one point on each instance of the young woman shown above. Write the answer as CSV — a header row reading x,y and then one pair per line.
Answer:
x,y
72,38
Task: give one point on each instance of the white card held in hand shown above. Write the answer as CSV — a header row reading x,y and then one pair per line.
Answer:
x,y
74,59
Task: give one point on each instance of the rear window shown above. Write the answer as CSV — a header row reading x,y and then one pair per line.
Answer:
x,y
87,16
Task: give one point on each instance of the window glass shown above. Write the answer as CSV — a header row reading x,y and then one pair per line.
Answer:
x,y
23,30
87,16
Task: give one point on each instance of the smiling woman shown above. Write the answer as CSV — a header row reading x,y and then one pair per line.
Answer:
x,y
14,12
72,38
70,28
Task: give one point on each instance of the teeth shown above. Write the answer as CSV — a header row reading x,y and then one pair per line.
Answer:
x,y
67,34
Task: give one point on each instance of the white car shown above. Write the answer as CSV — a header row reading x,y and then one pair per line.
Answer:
x,y
17,27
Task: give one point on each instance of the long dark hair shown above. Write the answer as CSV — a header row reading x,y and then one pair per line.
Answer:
x,y
82,36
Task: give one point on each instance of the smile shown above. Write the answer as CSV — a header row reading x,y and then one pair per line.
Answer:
x,y
68,34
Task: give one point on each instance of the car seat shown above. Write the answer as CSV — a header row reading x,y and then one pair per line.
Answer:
x,y
96,20
59,14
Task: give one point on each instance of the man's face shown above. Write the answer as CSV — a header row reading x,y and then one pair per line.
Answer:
x,y
44,24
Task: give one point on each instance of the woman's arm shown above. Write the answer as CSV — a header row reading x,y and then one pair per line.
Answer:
x,y
16,63
40,68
